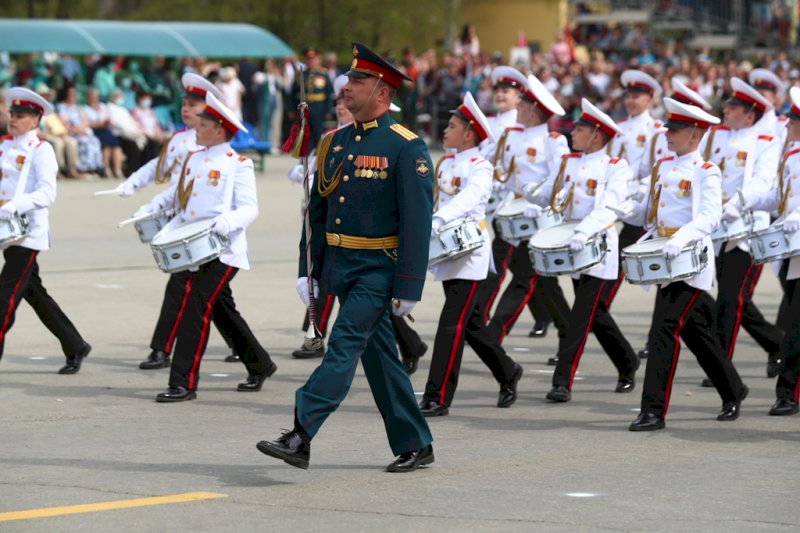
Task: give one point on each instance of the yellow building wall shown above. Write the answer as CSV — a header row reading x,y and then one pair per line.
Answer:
x,y
498,22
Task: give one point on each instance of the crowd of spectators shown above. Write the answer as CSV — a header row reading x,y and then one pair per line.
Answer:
x,y
113,114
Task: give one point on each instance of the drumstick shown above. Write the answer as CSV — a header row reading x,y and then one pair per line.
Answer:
x,y
109,192
134,219
620,212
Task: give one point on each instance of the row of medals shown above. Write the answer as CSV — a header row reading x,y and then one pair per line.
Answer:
x,y
370,173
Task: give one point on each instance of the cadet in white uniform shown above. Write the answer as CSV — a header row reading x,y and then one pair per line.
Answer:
x,y
593,183
529,154
463,183
215,183
748,160
166,168
785,200
634,142
28,170
684,205
772,88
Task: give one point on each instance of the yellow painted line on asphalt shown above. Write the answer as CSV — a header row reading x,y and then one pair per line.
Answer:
x,y
108,506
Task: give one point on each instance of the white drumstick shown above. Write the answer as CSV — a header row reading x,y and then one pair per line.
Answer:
x,y
134,219
109,192
620,212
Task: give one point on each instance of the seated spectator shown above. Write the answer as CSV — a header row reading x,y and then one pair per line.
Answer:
x,y
90,157
97,114
146,118
130,135
52,130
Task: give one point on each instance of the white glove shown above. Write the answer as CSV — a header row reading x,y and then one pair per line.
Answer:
x,y
7,211
790,224
578,242
221,226
626,208
497,185
302,289
144,210
125,189
637,197
532,211
531,191
436,223
296,174
672,249
730,212
402,307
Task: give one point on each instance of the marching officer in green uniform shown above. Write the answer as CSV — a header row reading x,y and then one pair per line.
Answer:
x,y
370,218
319,95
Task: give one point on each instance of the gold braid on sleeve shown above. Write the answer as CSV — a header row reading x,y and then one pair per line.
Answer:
x,y
162,176
436,181
654,196
783,192
557,185
326,185
184,192
709,145
498,152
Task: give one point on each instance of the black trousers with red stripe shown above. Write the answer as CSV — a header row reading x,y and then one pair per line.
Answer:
x,y
736,276
526,285
788,385
501,255
683,312
176,296
19,279
211,294
590,312
462,319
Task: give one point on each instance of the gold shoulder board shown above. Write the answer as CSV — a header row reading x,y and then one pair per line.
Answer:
x,y
403,132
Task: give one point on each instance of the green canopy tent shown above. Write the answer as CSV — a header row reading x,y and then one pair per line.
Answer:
x,y
170,39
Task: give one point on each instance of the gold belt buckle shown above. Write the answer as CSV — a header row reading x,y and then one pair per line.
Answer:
x,y
337,239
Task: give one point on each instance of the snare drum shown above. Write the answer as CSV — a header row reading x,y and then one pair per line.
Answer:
x,y
455,239
772,244
495,199
187,246
741,228
13,230
551,255
644,263
151,225
512,224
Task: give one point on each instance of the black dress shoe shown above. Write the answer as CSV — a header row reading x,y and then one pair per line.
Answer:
x,y
730,410
625,384
410,461
647,422
253,383
539,329
553,361
774,364
156,359
305,353
643,353
176,394
559,394
431,408
706,383
233,358
292,447
508,391
411,358
783,407
74,361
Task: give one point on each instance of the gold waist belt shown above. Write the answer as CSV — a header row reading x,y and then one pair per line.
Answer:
x,y
362,243
666,232
315,97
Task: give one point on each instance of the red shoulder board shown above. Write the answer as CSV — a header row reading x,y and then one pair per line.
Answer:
x,y
791,152
6,137
765,137
668,158
614,160
707,165
242,158
515,128
554,135
720,127
572,154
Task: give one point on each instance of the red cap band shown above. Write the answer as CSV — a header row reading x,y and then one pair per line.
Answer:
x,y
474,124
368,67
25,103
637,85
688,120
196,90
749,99
608,130
233,128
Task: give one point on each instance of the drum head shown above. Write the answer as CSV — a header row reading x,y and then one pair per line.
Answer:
x,y
554,236
514,207
650,245
181,232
